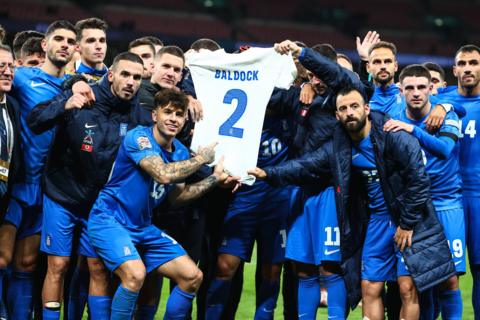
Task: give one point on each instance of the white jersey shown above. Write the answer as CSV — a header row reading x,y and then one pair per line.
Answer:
x,y
234,90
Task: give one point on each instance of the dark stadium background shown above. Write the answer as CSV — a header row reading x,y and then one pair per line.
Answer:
x,y
422,30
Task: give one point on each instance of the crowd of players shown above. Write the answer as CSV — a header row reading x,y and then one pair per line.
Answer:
x,y
359,183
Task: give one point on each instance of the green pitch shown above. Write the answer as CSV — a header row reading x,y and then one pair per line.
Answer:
x,y
246,309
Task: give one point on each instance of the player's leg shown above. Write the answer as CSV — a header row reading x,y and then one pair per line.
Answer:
x,y
372,304
308,289
326,247
408,294
149,297
8,233
450,298
472,223
99,296
132,274
237,245
78,293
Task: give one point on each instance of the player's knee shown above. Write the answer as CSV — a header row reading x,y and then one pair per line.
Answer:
x,y
194,280
58,265
225,269
450,284
134,278
371,290
97,270
407,290
5,257
26,262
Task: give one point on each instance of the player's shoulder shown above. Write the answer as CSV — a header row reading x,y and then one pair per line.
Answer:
x,y
23,74
140,136
181,151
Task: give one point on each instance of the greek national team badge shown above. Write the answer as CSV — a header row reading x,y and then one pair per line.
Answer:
x,y
144,143
87,144
123,129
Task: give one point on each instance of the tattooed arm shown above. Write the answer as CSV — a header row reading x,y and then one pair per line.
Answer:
x,y
174,172
186,193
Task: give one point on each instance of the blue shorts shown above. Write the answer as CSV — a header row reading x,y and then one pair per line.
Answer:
x,y
25,210
471,206
453,222
265,222
116,244
314,235
381,260
58,230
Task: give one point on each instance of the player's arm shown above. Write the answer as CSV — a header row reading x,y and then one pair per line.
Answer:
x,y
441,146
297,171
48,114
175,172
284,101
185,193
435,119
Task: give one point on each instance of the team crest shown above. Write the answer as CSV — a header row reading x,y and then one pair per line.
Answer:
x,y
144,143
87,144
123,129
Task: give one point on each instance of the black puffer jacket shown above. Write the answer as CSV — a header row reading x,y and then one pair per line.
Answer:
x,y
406,189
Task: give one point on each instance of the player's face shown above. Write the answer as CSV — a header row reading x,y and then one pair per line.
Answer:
x,y
125,79
416,91
467,69
345,63
6,71
382,64
93,46
169,120
318,85
437,81
146,53
168,71
34,60
352,111
59,47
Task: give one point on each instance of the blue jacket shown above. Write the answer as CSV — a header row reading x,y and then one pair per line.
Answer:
x,y
406,189
85,144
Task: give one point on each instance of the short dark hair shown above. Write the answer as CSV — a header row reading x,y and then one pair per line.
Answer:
x,y
432,66
300,44
383,44
326,50
154,40
173,50
467,48
4,47
205,43
346,90
21,37
126,56
60,24
141,42
90,23
415,70
31,46
176,98
344,56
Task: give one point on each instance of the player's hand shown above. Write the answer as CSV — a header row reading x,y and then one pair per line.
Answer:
x,y
219,172
307,94
84,89
75,101
403,238
207,154
435,118
370,39
287,46
258,173
195,109
396,125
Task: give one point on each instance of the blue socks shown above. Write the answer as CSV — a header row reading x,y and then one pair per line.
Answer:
x,y
308,297
145,312
268,295
3,307
78,294
19,296
99,307
123,304
337,296
476,290
217,297
49,314
451,304
178,305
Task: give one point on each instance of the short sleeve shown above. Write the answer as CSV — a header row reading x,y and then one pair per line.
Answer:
x,y
139,145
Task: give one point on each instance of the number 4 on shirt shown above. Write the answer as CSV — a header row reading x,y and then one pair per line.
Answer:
x,y
227,128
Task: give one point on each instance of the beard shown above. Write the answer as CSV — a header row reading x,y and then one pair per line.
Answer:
x,y
355,125
59,63
384,81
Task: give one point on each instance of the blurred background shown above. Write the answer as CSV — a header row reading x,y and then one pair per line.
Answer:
x,y
422,30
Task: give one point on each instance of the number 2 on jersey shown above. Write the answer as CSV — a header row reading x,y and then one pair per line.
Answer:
x,y
227,128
